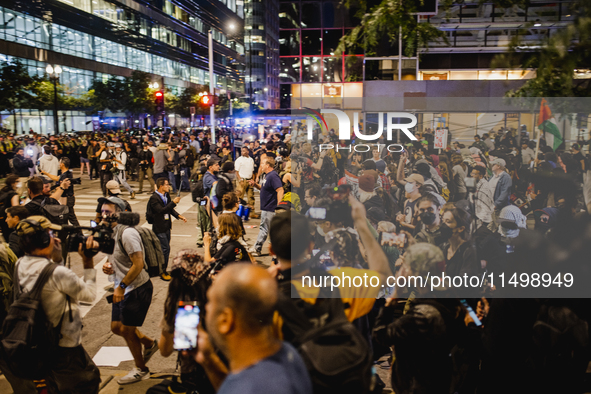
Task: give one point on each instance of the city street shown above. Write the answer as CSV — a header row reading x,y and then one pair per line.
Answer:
x,y
97,317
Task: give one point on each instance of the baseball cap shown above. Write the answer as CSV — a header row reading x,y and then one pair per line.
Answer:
x,y
113,187
498,161
417,178
284,205
113,200
24,228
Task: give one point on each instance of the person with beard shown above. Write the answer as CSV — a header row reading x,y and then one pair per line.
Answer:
x,y
458,250
239,320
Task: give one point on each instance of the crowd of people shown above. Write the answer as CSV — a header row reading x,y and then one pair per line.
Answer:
x,y
502,203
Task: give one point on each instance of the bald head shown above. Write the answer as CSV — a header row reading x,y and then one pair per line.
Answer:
x,y
249,292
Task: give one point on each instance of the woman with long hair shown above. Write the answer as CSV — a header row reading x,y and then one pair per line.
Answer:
x,y
231,246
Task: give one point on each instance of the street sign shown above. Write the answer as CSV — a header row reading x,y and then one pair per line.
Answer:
x,y
440,139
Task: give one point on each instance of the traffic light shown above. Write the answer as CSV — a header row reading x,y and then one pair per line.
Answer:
x,y
208,100
159,101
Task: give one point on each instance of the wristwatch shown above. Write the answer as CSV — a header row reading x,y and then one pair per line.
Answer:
x,y
123,285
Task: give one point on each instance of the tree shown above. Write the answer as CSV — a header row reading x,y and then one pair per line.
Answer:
x,y
15,88
378,32
138,98
187,99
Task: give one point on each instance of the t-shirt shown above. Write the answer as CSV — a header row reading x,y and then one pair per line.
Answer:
x,y
132,242
208,180
284,372
269,185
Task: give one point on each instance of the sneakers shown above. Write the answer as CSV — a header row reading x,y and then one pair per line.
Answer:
x,y
149,352
135,375
254,252
165,276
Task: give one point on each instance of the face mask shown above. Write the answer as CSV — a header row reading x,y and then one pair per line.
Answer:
x,y
231,176
409,187
446,232
19,185
320,231
428,217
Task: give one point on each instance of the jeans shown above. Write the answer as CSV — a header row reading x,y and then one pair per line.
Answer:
x,y
120,177
165,242
150,173
172,181
94,168
185,172
263,229
106,176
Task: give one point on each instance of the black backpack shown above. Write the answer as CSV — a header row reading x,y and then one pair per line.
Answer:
x,y
57,214
197,190
336,355
149,214
29,340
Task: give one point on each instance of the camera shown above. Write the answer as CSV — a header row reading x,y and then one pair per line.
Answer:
x,y
102,233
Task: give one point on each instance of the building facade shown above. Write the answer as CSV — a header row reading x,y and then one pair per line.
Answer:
x,y
262,52
93,39
312,75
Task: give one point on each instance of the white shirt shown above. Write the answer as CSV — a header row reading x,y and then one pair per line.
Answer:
x,y
122,157
245,167
53,296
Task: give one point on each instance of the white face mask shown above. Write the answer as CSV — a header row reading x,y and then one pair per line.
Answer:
x,y
19,185
409,187
320,231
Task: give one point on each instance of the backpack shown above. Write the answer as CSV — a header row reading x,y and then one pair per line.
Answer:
x,y
155,264
57,214
149,215
336,355
29,340
189,159
197,190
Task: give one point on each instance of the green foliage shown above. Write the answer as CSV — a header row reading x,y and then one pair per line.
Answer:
x,y
565,51
380,24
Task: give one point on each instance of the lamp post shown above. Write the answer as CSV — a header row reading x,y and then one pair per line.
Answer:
x,y
54,76
211,85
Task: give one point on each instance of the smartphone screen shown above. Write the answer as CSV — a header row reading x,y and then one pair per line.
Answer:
x,y
185,326
471,312
203,202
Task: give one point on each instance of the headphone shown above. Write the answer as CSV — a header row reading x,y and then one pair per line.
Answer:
x,y
39,236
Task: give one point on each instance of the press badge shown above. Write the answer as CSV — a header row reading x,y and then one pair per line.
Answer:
x,y
166,216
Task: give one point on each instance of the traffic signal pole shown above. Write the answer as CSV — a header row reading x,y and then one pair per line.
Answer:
x,y
211,86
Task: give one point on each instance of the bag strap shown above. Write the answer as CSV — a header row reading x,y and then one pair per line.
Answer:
x,y
42,280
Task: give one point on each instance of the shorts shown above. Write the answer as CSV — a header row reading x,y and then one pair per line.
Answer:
x,y
84,160
133,309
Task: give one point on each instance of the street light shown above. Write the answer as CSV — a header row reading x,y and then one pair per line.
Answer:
x,y
54,76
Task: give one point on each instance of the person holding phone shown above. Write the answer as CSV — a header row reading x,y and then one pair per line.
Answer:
x,y
189,284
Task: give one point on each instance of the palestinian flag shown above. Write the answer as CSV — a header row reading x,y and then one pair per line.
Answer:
x,y
547,123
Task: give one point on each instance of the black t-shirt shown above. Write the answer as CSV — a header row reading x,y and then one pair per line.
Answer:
x,y
578,157
69,192
230,252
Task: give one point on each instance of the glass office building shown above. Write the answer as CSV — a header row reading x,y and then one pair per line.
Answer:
x,y
93,39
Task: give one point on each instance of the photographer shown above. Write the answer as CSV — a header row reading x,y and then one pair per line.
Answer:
x,y
21,166
146,164
68,197
40,194
105,158
72,369
133,291
120,162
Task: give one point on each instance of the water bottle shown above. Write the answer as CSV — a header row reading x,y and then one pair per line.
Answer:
x,y
245,212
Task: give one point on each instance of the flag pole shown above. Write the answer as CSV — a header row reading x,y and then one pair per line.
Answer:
x,y
537,146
